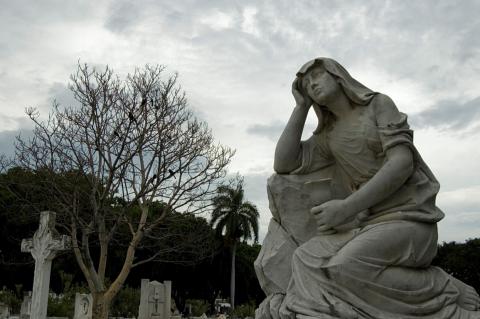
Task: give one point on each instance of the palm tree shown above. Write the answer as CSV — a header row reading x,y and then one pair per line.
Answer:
x,y
236,219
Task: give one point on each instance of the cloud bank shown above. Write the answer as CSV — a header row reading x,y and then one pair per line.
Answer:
x,y
237,60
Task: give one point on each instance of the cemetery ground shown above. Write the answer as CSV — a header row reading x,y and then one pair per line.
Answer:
x,y
195,287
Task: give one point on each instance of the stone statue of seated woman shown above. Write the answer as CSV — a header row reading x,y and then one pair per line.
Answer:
x,y
354,225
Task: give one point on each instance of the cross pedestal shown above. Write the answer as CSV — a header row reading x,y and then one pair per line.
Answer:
x,y
44,245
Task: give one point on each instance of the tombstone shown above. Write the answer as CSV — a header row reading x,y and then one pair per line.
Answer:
x,y
26,307
44,245
155,300
83,306
4,311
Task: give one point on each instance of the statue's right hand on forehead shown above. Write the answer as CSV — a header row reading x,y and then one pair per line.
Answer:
x,y
301,98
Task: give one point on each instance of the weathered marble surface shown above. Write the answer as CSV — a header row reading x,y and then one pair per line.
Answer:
x,y
44,246
291,198
353,230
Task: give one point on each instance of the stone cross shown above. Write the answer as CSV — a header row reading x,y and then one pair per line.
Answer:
x,y
44,247
155,300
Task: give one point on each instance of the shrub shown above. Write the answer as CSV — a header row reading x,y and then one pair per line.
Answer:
x,y
243,311
11,299
199,306
126,303
61,306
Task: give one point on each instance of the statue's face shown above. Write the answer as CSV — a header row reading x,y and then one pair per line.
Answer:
x,y
320,85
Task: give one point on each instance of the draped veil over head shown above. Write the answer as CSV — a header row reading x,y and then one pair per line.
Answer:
x,y
356,92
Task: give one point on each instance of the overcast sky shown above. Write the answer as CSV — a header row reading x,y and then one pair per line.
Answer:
x,y
237,59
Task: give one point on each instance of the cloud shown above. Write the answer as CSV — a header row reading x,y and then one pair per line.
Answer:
x,y
21,126
236,61
271,131
12,126
123,16
463,200
255,185
7,139
62,95
217,20
449,115
459,227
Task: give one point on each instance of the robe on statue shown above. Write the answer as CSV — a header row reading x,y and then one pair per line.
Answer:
x,y
378,264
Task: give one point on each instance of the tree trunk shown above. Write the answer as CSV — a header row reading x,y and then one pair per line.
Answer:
x,y
101,306
232,276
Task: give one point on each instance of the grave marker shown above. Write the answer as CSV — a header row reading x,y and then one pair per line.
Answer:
x,y
83,306
155,300
44,246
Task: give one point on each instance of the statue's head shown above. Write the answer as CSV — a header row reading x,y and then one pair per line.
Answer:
x,y
357,93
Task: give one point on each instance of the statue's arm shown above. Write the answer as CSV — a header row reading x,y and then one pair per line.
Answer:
x,y
397,168
395,171
288,155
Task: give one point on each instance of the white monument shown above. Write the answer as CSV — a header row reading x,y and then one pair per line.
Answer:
x,y
83,306
155,300
44,245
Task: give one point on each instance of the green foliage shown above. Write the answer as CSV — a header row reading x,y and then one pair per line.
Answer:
x,y
248,289
126,303
182,238
11,299
233,216
199,306
236,219
243,311
461,260
61,306
189,253
20,201
66,280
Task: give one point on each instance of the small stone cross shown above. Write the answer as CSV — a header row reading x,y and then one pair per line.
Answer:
x,y
44,247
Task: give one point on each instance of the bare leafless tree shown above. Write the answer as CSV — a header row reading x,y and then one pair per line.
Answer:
x,y
129,143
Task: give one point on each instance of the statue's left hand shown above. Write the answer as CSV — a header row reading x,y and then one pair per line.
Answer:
x,y
332,213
